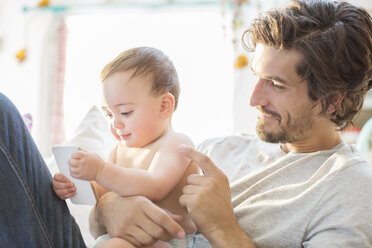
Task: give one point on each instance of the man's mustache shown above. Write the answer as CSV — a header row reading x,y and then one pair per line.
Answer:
x,y
268,112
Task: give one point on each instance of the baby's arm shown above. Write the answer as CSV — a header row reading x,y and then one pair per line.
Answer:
x,y
165,171
63,187
100,191
85,165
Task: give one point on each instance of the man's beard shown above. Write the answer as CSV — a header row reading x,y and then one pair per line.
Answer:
x,y
293,130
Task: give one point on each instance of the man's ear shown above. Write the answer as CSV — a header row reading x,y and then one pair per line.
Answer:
x,y
167,105
336,102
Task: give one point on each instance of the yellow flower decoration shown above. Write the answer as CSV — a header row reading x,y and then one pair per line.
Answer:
x,y
21,55
43,3
241,61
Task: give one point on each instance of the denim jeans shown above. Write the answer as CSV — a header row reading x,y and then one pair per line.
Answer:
x,y
30,213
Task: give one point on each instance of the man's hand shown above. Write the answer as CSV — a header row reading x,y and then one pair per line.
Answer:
x,y
136,219
207,198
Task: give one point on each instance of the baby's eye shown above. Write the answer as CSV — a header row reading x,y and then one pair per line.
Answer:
x,y
126,113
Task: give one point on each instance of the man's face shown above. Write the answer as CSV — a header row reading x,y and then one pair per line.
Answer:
x,y
286,113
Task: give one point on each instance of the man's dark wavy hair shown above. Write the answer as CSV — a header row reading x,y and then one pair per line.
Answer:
x,y
335,39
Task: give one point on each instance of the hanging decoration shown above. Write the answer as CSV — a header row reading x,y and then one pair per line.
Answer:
x,y
57,104
21,55
241,61
237,19
237,23
43,3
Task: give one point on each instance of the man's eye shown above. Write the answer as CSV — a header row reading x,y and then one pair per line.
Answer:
x,y
276,85
126,113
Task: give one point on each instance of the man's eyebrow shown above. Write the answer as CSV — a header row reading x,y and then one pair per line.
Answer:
x,y
277,79
273,78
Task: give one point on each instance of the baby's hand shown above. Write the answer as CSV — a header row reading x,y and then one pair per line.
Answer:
x,y
85,165
63,187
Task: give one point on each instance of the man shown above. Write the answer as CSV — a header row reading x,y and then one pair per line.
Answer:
x,y
297,184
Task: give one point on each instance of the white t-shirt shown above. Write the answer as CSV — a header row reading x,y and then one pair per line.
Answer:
x,y
319,199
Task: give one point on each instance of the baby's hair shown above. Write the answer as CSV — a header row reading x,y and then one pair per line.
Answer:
x,y
147,61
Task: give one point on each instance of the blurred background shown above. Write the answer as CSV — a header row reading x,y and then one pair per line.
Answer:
x,y
52,53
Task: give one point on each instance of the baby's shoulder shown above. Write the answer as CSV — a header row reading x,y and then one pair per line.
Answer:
x,y
178,139
171,142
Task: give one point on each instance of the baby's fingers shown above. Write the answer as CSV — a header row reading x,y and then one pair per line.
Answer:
x,y
65,193
59,177
62,185
79,154
73,162
64,190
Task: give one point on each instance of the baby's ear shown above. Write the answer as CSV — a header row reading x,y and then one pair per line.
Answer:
x,y
167,105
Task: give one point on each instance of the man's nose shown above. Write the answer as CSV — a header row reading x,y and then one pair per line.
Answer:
x,y
259,96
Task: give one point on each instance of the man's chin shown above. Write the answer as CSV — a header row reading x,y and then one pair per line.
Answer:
x,y
270,137
267,138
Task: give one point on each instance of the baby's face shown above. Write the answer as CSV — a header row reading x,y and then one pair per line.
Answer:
x,y
133,111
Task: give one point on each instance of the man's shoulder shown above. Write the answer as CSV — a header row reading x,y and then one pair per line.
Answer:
x,y
354,172
347,157
349,172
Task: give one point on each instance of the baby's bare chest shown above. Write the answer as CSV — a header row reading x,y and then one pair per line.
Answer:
x,y
138,158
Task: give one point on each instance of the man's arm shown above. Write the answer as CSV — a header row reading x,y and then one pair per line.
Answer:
x,y
208,200
135,219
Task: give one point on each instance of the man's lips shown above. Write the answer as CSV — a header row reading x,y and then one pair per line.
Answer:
x,y
267,116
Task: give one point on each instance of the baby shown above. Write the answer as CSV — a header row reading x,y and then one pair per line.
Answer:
x,y
140,93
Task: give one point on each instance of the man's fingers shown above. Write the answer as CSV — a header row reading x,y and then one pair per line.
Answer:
x,y
191,189
147,227
204,162
164,220
176,217
139,237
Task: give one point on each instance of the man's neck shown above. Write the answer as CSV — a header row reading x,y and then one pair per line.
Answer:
x,y
321,140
